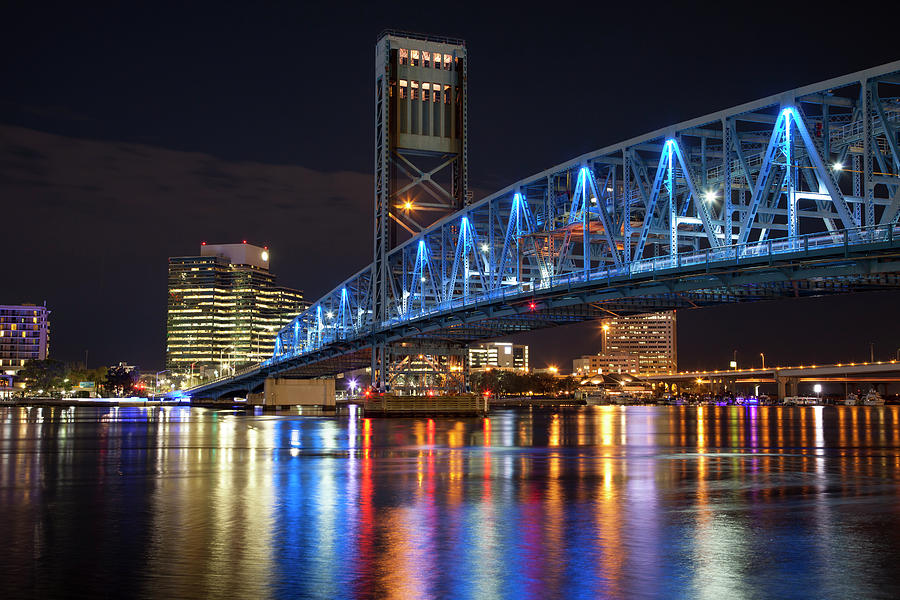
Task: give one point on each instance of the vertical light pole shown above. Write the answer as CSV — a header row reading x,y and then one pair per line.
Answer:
x,y
606,332
871,351
191,384
156,389
763,355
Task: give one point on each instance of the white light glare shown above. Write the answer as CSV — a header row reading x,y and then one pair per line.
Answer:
x,y
710,196
485,247
837,167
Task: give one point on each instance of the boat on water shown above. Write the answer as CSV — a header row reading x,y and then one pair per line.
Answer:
x,y
873,398
800,401
595,399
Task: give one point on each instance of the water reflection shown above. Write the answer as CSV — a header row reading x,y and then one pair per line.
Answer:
x,y
597,502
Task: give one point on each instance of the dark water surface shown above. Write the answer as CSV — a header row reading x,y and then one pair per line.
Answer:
x,y
638,502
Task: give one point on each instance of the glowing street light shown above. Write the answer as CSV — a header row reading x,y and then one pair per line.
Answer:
x,y
837,167
710,196
485,247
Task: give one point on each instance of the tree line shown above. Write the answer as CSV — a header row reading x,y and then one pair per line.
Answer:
x,y
516,383
50,377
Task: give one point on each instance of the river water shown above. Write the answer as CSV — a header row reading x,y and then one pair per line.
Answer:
x,y
597,502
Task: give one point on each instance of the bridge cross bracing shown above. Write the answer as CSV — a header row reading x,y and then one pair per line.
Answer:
x,y
753,202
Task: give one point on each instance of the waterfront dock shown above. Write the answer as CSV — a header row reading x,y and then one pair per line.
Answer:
x,y
461,405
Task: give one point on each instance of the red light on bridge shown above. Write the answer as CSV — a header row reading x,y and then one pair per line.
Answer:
x,y
532,306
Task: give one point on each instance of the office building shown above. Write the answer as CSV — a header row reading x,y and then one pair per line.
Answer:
x,y
637,344
24,335
224,309
498,355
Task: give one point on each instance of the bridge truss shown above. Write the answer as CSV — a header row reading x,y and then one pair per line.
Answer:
x,y
793,194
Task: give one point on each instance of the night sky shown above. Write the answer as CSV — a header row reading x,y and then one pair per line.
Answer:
x,y
131,132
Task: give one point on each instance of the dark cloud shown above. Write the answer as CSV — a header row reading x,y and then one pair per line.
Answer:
x,y
101,218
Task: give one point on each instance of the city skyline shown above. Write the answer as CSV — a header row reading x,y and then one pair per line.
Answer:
x,y
98,174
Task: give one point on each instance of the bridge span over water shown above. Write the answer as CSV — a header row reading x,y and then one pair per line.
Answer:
x,y
796,194
788,379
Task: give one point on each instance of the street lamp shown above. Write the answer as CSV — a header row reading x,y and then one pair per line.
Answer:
x,y
156,389
763,355
817,389
605,327
353,385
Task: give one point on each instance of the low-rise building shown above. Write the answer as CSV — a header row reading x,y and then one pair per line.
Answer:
x,y
498,355
596,364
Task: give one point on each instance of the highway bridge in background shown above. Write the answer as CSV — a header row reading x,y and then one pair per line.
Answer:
x,y
789,380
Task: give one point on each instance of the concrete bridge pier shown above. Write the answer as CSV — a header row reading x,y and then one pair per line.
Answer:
x,y
285,391
787,386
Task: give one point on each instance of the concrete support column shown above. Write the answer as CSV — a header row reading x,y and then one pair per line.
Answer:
x,y
787,386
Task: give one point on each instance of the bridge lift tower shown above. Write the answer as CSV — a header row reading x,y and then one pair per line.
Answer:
x,y
420,176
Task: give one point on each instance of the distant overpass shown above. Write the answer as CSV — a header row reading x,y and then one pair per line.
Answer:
x,y
788,378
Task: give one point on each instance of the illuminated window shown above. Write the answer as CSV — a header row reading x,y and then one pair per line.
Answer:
x,y
404,56
437,92
415,89
446,62
414,55
426,59
446,94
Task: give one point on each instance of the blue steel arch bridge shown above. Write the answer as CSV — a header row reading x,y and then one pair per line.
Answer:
x,y
796,194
